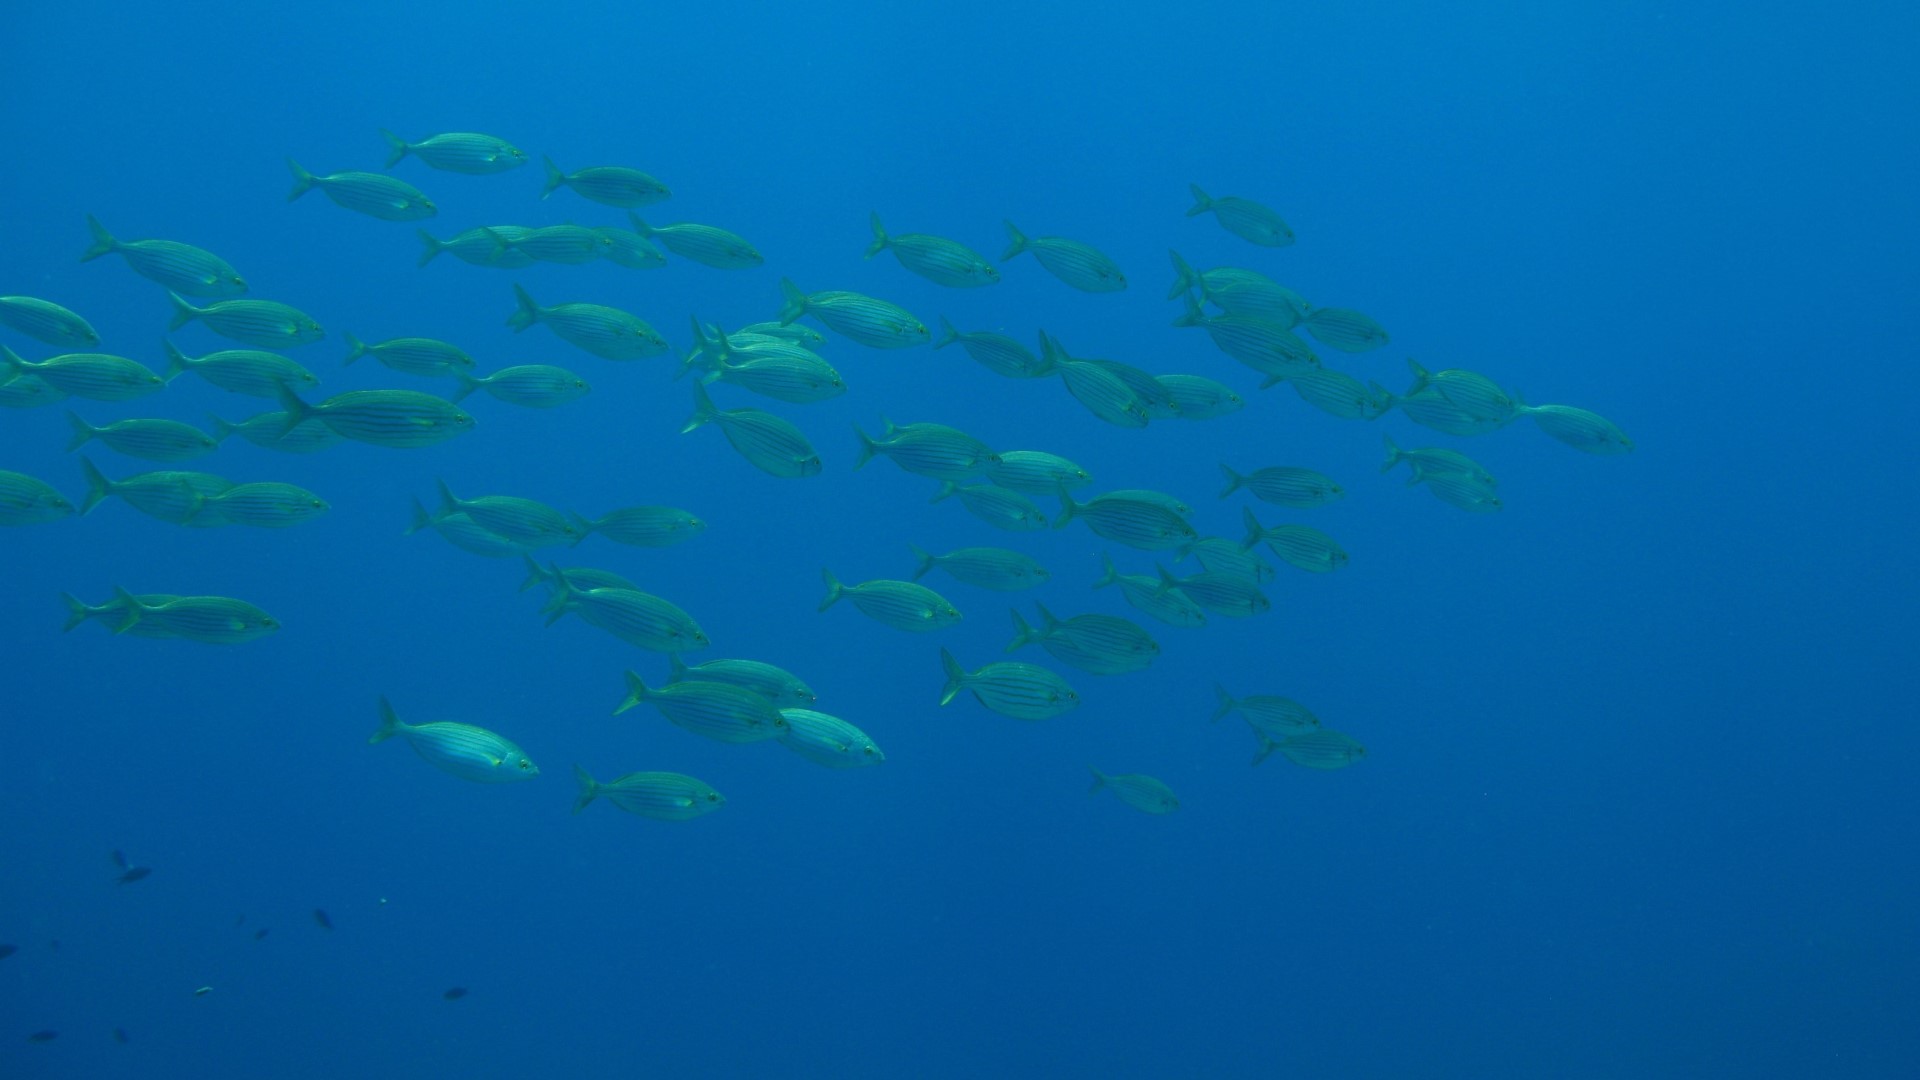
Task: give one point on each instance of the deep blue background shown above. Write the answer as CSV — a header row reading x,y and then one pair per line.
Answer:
x,y
1639,795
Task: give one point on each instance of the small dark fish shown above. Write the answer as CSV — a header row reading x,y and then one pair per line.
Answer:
x,y
120,1036
8,950
320,917
135,873
43,1036
455,994
260,933
120,859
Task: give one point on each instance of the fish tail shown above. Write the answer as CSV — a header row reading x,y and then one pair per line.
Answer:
x,y
637,692
431,247
948,489
1184,278
98,486
77,611
176,361
1202,202
1068,508
527,313
956,676
221,428
793,302
82,431
1167,580
390,724
183,312
103,241
298,412
356,348
1267,746
1255,532
835,590
561,601
555,181
1394,456
1226,702
1048,623
421,519
132,609
1272,381
948,334
535,575
589,790
1099,780
500,243
1422,378
868,447
1016,242
703,410
1023,632
1192,316
640,226
449,503
303,181
583,525
676,668
468,384
16,367
1110,573
925,561
880,240
1234,480
396,148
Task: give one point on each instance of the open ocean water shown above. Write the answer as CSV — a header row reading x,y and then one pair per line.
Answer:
x,y
1637,796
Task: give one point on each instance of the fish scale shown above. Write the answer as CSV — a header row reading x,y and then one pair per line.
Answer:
x,y
720,711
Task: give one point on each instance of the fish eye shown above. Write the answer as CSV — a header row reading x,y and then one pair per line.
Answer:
x,y
713,796
525,764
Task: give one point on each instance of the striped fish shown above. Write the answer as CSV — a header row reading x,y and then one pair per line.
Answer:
x,y
1154,399
267,505
97,376
468,752
400,419
1284,485
534,386
997,506
1036,472
828,740
634,617
717,710
1147,495
782,687
902,605
1097,644
464,533
1102,392
1145,595
1585,431
983,568
703,244
1463,491
997,353
182,268
1266,347
1223,556
1196,398
414,356
1474,393
1022,691
113,614
1241,292
605,332
270,431
526,522
241,371
211,620
781,377
565,244
579,578
155,440
170,496
609,185
479,247
1338,393
1079,265
934,450
265,323
457,151
939,260
1135,522
372,194
1222,594
663,796
769,443
1433,461
28,392
870,322
1345,329
1269,715
26,500
1429,408
1322,749
1244,218
1142,792
1308,549
644,526
801,335
624,247
44,320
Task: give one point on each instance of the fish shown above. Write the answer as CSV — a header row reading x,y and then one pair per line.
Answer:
x,y
1240,292
871,322
211,620
468,752
1096,644
98,376
129,873
1270,716
269,505
182,268
608,333
1035,472
828,740
1138,523
1282,485
663,796
1219,593
644,526
266,323
1585,431
477,247
1145,595
1319,749
703,244
526,522
997,506
46,321
372,194
1080,265
1345,329
44,1035
321,920
1142,792
785,689
1269,348
984,567
779,370
271,431
120,1036
580,578
939,260
1244,218
457,151
902,605
28,392
1197,398
260,933
609,185
113,614
720,711
569,245
1338,393
241,371
769,443
414,356
27,500
155,440
1471,392
397,419
454,993
171,495
635,617
534,386
934,450
1463,491
1430,408
8,950
1308,549
464,533
1021,691
624,247
1434,461
1104,394
997,353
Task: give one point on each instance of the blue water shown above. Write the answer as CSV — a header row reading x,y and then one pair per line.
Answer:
x,y
1638,797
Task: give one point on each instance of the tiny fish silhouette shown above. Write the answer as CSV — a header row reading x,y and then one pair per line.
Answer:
x,y
134,874
260,933
8,950
320,918
455,994
43,1036
120,1036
